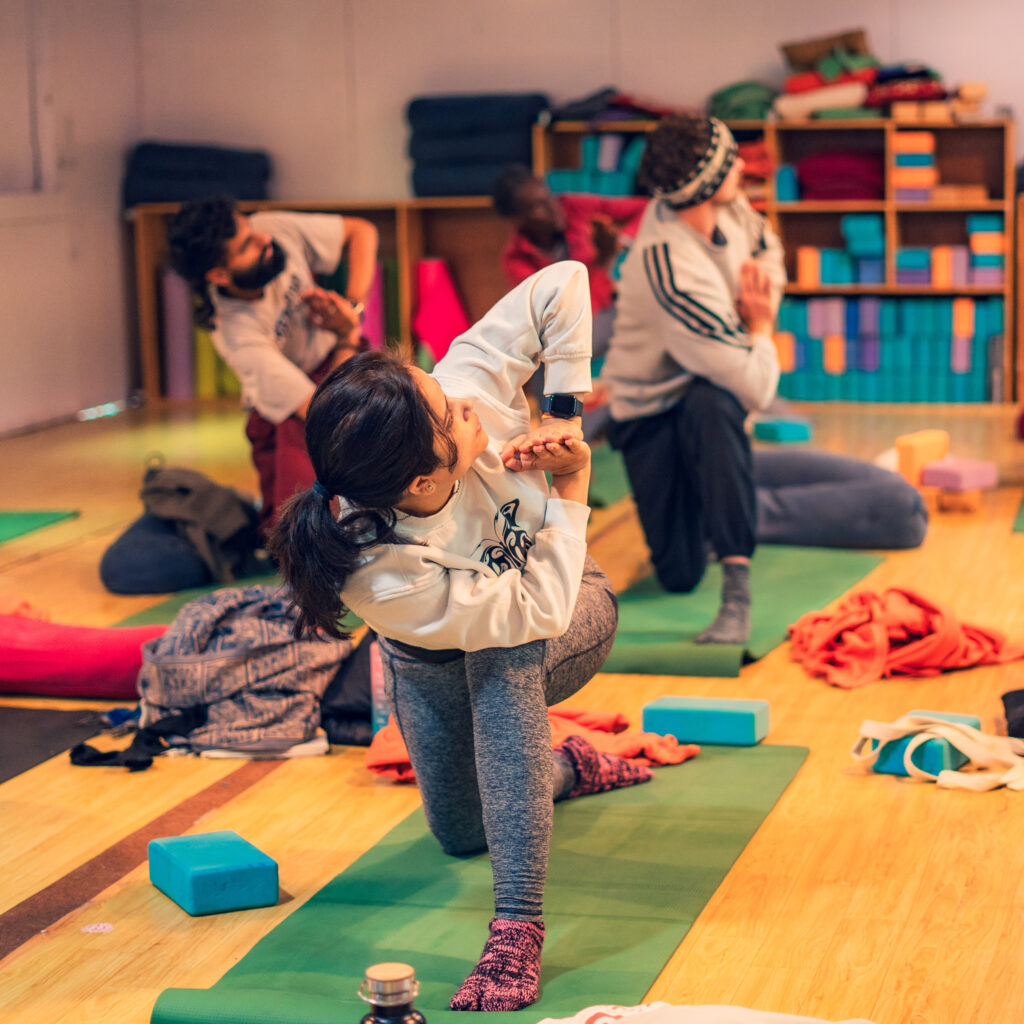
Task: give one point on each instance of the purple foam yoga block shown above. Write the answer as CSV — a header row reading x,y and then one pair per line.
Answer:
x,y
913,195
867,317
989,277
959,474
870,355
835,316
960,355
913,277
816,321
961,263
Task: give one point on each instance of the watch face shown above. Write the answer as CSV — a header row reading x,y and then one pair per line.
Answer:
x,y
564,406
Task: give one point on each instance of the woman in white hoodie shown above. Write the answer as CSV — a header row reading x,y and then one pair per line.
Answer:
x,y
449,543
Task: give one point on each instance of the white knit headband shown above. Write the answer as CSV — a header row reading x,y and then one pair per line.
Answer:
x,y
709,173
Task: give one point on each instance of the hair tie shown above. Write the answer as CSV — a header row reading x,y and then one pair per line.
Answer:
x,y
319,489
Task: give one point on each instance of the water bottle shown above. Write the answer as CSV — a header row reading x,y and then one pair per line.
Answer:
x,y
379,710
389,989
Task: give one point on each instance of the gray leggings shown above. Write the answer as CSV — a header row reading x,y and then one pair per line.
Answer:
x,y
477,731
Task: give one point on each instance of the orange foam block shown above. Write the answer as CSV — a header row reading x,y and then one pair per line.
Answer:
x,y
915,177
914,142
942,266
785,345
914,451
987,242
834,354
808,266
963,317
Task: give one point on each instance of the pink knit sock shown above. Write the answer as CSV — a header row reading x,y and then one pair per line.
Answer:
x,y
507,974
597,772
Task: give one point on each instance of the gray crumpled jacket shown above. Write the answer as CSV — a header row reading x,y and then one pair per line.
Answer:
x,y
233,652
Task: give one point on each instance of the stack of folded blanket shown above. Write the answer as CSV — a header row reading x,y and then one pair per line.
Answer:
x,y
460,144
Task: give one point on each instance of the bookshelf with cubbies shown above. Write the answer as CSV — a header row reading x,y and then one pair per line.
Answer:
x,y
901,281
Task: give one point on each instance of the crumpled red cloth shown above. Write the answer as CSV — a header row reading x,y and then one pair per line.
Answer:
x,y
607,731
898,633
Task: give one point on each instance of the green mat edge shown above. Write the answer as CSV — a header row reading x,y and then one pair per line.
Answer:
x,y
41,519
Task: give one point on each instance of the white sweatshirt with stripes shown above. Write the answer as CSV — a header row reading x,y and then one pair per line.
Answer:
x,y
676,312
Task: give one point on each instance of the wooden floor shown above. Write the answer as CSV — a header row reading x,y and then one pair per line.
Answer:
x,y
860,896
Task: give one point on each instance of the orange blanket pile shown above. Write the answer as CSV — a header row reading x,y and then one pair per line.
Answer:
x,y
898,633
608,731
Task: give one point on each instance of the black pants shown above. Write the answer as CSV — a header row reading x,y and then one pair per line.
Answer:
x,y
690,470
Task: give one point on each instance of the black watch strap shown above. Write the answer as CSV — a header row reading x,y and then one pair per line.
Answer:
x,y
565,407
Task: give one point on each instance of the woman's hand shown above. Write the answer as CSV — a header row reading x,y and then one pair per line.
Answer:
x,y
538,448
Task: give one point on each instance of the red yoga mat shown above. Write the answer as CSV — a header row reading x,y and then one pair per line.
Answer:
x,y
47,659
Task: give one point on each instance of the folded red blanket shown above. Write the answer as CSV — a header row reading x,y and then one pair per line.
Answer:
x,y
607,731
898,633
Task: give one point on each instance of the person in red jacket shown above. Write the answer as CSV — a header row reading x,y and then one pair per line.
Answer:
x,y
593,229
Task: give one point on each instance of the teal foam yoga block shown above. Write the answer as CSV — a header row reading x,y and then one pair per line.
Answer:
x,y
778,429
933,756
716,720
213,872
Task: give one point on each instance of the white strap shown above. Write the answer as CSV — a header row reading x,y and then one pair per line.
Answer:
x,y
993,761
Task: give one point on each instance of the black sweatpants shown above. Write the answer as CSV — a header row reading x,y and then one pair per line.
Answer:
x,y
692,479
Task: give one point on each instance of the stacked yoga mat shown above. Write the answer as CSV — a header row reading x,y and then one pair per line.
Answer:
x,y
460,144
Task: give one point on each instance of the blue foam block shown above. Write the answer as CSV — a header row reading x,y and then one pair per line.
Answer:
x,y
933,756
777,429
715,720
212,872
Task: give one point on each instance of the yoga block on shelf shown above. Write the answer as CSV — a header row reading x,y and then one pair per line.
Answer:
x,y
782,430
212,872
953,474
715,720
933,756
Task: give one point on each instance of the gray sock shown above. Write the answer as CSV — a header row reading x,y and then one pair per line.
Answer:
x,y
732,623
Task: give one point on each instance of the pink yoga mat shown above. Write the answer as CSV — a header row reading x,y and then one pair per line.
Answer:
x,y
440,316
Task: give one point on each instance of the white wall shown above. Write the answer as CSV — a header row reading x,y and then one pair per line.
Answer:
x,y
63,331
322,85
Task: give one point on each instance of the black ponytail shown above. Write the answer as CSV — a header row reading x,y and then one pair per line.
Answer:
x,y
369,434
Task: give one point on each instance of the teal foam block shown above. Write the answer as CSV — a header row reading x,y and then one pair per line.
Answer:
x,y
213,872
778,429
933,756
715,720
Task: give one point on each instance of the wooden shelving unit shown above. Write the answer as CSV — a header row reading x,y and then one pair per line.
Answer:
x,y
463,230
968,153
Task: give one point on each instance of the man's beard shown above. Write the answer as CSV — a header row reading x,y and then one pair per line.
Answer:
x,y
259,276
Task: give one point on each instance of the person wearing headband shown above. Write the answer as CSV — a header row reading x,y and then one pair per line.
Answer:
x,y
691,353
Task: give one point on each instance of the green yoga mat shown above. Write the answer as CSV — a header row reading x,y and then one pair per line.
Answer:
x,y
16,524
165,611
1018,523
630,871
656,628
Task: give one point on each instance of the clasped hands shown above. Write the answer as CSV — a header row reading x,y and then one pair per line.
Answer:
x,y
331,312
556,447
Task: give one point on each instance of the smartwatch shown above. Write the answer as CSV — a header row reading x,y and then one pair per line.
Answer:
x,y
564,407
